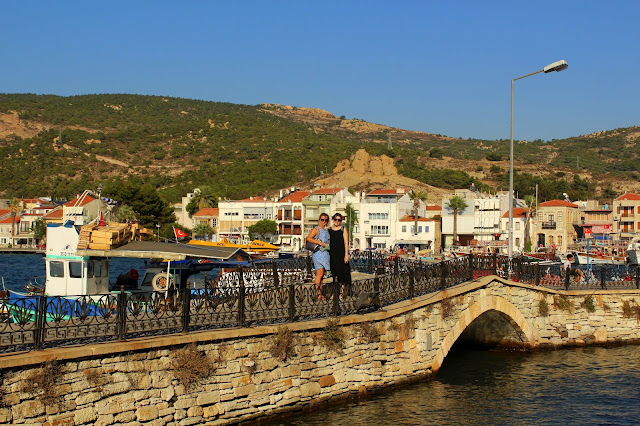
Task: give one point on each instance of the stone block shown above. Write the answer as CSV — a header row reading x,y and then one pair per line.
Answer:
x,y
27,409
85,415
208,398
195,411
191,421
104,420
244,390
147,413
326,381
184,403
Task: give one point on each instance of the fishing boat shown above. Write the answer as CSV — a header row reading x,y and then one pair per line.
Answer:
x,y
633,251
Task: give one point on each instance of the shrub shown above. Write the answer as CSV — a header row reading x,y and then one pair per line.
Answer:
x,y
631,311
333,336
189,365
369,332
543,308
589,304
96,378
44,382
446,308
282,347
563,303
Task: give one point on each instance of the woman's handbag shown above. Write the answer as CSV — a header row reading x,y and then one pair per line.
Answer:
x,y
312,247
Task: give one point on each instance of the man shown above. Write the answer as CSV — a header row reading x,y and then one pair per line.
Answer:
x,y
566,265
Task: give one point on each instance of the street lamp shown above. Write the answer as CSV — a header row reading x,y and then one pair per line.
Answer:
x,y
556,66
158,237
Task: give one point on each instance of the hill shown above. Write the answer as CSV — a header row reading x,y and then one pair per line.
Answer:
x,y
177,144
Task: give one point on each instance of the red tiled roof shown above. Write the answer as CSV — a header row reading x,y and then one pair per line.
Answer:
x,y
517,212
433,208
16,219
628,196
209,211
558,203
80,202
54,214
296,197
409,218
327,190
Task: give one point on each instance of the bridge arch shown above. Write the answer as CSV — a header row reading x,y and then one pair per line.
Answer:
x,y
486,304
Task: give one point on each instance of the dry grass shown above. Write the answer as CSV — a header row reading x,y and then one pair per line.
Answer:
x,y
446,308
282,347
189,365
630,309
44,382
589,304
563,303
96,378
543,308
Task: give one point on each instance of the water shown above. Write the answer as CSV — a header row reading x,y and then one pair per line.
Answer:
x,y
569,386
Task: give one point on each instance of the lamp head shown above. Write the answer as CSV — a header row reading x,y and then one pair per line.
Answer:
x,y
556,66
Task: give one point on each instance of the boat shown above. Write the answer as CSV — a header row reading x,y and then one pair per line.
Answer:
x,y
633,251
255,246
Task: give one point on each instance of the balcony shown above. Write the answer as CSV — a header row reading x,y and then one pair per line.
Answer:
x,y
548,225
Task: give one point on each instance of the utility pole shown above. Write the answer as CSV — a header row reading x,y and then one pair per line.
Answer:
x,y
389,143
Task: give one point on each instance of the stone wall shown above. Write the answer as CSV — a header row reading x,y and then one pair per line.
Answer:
x,y
142,381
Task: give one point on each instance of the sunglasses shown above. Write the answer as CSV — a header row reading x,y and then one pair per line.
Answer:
x,y
324,220
337,219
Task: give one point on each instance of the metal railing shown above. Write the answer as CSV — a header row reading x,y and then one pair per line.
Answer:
x,y
268,293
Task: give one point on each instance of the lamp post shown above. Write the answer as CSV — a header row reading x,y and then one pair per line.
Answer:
x,y
556,66
158,237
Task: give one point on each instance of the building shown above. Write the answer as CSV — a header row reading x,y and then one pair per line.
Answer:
x,y
595,221
290,219
235,217
556,224
209,216
519,229
626,216
426,236
321,200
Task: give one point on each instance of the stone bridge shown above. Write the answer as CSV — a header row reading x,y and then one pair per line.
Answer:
x,y
266,370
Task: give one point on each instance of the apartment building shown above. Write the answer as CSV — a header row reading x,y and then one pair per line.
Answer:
x,y
209,216
321,200
290,219
519,229
556,224
626,216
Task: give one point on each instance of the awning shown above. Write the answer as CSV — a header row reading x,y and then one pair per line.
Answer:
x,y
601,229
414,242
169,251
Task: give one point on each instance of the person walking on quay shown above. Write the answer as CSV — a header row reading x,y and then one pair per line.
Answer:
x,y
321,261
339,253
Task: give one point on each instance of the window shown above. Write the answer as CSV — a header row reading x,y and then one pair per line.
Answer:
x,y
559,215
419,229
379,245
404,228
517,226
517,242
97,268
56,269
90,268
75,269
559,240
426,228
379,216
379,230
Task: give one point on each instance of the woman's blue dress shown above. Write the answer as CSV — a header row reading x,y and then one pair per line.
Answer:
x,y
321,258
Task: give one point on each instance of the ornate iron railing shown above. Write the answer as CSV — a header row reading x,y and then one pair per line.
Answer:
x,y
277,292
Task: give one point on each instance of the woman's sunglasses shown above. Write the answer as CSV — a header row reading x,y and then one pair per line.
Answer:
x,y
337,219
324,220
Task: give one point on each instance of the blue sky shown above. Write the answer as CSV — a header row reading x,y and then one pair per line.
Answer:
x,y
435,66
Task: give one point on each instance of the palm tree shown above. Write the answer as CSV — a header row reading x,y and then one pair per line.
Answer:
x,y
352,219
203,228
417,196
14,209
457,204
203,197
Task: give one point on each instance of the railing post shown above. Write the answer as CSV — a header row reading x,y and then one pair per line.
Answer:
x,y
186,309
241,298
537,273
121,306
567,276
40,321
376,288
412,284
443,275
494,263
335,291
471,277
370,261
602,276
396,269
292,302
518,266
637,276
309,266
276,277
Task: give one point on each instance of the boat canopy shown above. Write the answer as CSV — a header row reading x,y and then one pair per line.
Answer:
x,y
168,251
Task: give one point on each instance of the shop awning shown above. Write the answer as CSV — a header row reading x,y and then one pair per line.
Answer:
x,y
601,229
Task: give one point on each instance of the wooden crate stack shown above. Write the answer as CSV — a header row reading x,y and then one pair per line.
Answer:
x,y
111,236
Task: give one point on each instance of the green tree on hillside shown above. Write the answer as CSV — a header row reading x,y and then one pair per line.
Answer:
x,y
144,200
203,197
263,229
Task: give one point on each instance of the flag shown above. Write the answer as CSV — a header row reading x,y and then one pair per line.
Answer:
x,y
179,234
588,231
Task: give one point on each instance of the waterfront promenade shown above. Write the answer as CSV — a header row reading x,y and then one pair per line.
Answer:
x,y
271,364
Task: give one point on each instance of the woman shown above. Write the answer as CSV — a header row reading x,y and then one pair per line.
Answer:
x,y
339,253
319,235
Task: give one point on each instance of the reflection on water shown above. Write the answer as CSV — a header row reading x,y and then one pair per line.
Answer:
x,y
575,386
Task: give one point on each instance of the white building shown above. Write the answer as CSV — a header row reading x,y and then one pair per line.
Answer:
x,y
290,219
519,228
235,217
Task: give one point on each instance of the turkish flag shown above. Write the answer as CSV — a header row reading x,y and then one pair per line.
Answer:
x,y
179,234
588,231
